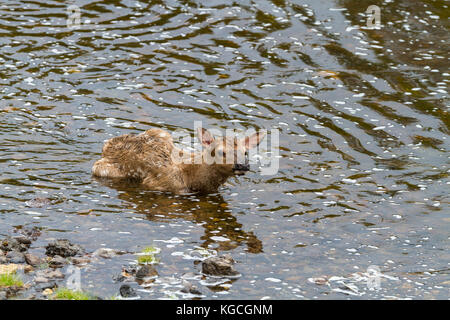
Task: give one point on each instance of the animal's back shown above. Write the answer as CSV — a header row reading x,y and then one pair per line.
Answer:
x,y
135,156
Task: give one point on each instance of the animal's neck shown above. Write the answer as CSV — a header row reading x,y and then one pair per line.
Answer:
x,y
202,177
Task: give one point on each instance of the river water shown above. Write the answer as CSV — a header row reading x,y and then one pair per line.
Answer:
x,y
363,124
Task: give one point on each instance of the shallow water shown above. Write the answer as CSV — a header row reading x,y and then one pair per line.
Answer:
x,y
363,120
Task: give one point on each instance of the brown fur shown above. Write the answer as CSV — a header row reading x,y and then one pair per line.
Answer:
x,y
147,157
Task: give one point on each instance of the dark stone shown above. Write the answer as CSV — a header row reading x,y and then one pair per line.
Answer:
x,y
127,292
80,260
14,244
31,233
12,291
219,266
23,240
33,260
129,270
119,278
45,285
57,262
145,272
15,257
63,248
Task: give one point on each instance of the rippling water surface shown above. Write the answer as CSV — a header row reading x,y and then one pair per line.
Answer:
x,y
364,149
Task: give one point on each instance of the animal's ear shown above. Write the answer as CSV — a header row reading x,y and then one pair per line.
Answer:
x,y
254,140
205,137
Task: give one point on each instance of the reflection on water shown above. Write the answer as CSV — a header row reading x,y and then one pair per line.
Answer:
x,y
363,119
211,212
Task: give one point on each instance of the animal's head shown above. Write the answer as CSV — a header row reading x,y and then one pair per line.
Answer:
x,y
229,155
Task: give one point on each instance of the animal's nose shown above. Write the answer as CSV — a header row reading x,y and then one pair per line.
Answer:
x,y
241,167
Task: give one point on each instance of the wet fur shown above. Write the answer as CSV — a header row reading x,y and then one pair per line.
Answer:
x,y
147,158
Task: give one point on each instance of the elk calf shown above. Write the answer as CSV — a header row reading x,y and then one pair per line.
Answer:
x,y
149,158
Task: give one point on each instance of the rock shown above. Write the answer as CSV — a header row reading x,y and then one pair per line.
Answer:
x,y
15,244
33,260
127,274
219,266
107,253
12,291
3,295
38,202
31,233
45,285
63,248
146,272
127,292
1,253
189,288
28,269
47,292
3,260
23,240
119,278
50,274
9,268
80,260
129,271
57,262
39,279
15,257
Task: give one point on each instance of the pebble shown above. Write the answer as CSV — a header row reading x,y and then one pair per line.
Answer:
x,y
45,285
15,257
33,260
127,292
80,260
57,262
145,272
40,279
19,244
47,292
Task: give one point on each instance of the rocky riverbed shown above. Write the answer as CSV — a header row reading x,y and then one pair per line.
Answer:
x,y
55,275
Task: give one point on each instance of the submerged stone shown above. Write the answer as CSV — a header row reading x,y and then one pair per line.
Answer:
x,y
19,244
219,266
15,257
33,260
145,272
63,248
127,292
